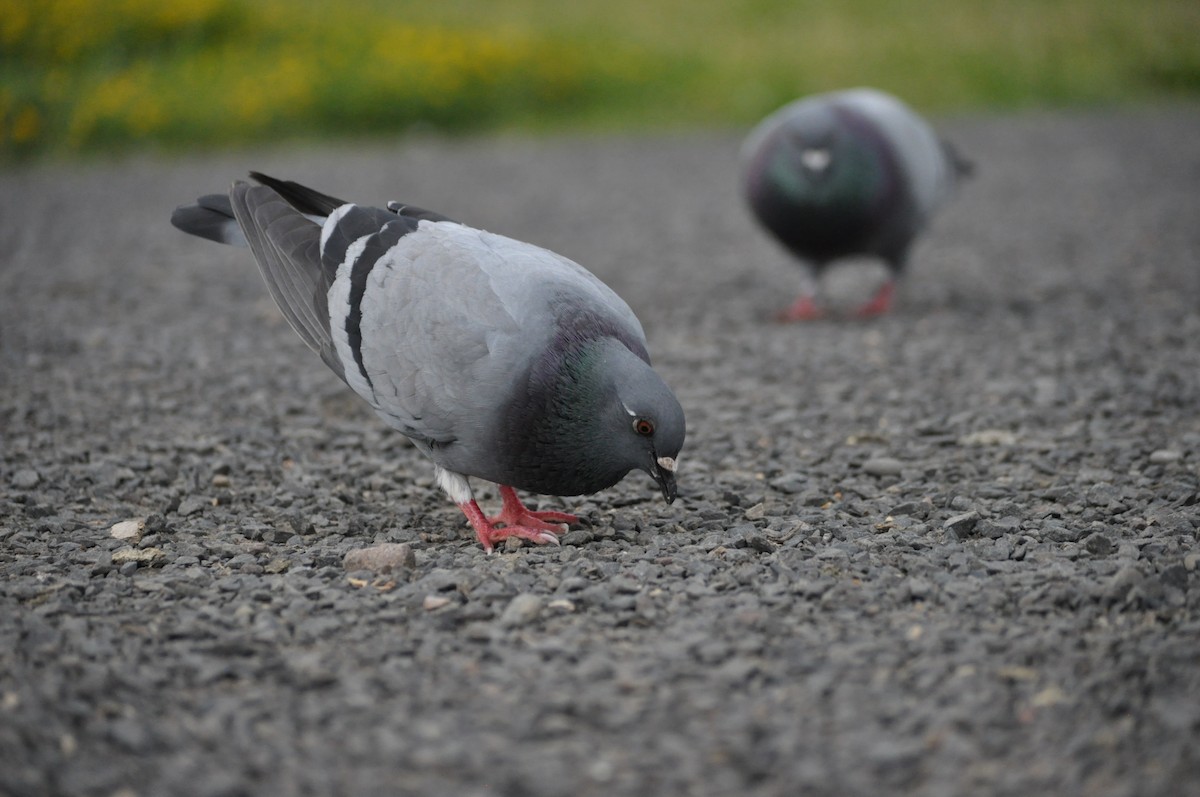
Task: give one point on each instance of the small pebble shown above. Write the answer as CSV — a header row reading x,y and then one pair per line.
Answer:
x,y
883,466
103,565
1174,576
756,512
192,505
1164,455
988,437
521,610
26,479
432,602
916,508
386,557
962,524
1099,545
128,529
960,503
145,556
277,565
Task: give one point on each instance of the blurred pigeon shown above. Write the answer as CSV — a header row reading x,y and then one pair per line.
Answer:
x,y
497,358
847,173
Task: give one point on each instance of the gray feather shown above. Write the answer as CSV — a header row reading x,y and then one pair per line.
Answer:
x,y
286,246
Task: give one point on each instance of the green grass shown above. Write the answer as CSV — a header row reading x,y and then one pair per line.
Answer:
x,y
80,76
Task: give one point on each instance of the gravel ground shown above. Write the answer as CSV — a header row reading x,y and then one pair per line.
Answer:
x,y
949,552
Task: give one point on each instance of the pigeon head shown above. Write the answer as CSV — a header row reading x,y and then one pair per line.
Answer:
x,y
648,430
630,419
822,157
820,178
588,416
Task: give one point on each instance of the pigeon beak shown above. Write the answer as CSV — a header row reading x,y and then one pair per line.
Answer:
x,y
663,472
816,159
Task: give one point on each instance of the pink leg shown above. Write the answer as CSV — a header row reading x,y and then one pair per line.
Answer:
x,y
803,309
880,302
517,520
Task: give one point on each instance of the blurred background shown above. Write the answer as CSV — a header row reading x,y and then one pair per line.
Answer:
x,y
93,76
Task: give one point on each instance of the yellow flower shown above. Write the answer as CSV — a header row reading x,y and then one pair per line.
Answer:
x,y
26,125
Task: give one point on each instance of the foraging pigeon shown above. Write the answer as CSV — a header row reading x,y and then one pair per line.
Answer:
x,y
847,173
497,358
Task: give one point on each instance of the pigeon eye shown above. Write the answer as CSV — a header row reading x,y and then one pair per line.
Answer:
x,y
643,427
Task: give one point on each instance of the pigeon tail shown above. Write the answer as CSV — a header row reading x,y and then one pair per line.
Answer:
x,y
541,528
210,216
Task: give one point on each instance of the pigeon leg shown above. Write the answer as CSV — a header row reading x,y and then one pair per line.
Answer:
x,y
803,309
880,302
489,535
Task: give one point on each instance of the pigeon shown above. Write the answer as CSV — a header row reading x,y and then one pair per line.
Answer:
x,y
847,173
500,360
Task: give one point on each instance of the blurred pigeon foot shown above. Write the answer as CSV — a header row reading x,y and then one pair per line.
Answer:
x,y
804,309
880,303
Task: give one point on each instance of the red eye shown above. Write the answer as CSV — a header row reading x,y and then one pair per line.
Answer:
x,y
643,427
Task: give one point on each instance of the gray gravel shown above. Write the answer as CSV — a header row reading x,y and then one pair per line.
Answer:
x,y
949,552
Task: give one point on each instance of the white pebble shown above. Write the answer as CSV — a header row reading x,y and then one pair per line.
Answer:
x,y
883,466
128,529
521,610
432,602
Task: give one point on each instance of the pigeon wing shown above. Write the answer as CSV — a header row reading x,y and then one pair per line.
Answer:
x,y
929,170
433,345
286,246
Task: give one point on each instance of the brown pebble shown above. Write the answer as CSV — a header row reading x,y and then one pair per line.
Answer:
x,y
385,557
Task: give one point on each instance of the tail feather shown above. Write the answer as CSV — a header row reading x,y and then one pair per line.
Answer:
x,y
313,203
963,166
210,217
304,199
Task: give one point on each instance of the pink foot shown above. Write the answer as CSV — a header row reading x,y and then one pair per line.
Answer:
x,y
880,303
514,513
804,309
541,528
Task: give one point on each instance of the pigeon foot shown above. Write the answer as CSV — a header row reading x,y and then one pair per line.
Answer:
x,y
803,309
880,303
514,513
515,520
